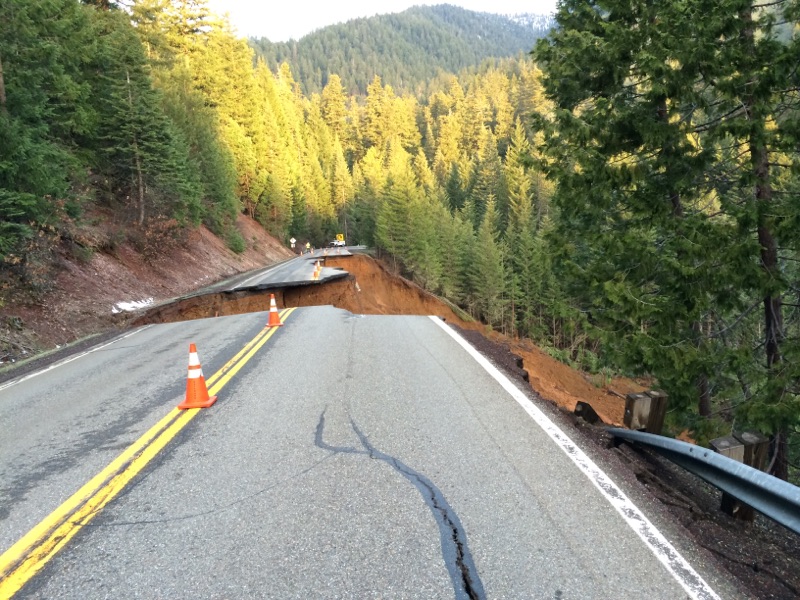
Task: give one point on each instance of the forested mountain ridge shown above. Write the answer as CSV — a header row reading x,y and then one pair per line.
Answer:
x,y
405,49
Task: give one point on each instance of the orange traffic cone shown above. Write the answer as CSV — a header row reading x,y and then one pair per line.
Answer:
x,y
274,317
196,390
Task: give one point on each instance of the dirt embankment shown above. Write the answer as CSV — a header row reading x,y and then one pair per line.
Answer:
x,y
377,291
93,295
92,289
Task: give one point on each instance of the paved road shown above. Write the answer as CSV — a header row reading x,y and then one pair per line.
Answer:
x,y
291,272
350,457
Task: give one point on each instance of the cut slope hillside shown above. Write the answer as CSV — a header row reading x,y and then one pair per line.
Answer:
x,y
91,296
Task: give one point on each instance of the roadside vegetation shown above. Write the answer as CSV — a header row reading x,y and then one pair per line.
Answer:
x,y
627,197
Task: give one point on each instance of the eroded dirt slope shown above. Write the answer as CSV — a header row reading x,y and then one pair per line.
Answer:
x,y
86,293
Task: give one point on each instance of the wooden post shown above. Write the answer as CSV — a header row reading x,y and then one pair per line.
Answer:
x,y
658,410
750,448
637,411
756,450
732,448
729,446
646,411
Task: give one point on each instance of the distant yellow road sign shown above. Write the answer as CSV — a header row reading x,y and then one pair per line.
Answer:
x,y
339,237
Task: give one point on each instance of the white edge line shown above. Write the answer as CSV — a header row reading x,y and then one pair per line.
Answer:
x,y
14,382
665,552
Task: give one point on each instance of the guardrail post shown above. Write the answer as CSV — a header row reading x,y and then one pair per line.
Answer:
x,y
732,448
756,449
646,411
658,410
637,411
750,448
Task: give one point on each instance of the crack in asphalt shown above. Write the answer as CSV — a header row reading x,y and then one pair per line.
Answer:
x,y
455,551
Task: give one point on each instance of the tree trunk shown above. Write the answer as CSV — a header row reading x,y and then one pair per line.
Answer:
x,y
773,317
704,404
136,158
3,108
703,390
139,180
780,453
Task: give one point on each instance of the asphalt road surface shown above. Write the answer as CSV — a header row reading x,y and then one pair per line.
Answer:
x,y
348,457
291,272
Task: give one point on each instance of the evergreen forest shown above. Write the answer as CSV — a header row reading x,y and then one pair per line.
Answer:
x,y
627,195
409,50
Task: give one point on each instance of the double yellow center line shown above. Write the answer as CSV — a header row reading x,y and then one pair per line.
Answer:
x,y
30,554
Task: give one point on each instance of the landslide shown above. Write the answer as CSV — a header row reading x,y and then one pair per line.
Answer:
x,y
372,289
763,558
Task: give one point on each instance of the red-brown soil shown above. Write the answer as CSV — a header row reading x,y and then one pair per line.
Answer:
x,y
383,293
84,292
372,289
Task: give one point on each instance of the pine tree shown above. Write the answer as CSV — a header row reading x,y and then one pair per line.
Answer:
x,y
340,178
488,273
663,143
489,181
137,146
172,34
334,106
377,114
521,234
753,79
394,227
44,111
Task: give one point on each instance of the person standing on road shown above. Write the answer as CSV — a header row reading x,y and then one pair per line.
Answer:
x,y
308,247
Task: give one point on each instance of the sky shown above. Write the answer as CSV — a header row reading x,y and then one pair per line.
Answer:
x,y
282,20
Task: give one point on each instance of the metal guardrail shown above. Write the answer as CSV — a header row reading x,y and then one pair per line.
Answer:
x,y
772,497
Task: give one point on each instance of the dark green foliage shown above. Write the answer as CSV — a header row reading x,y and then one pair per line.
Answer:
x,y
210,164
236,241
487,272
80,108
405,50
137,147
45,108
674,146
300,226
